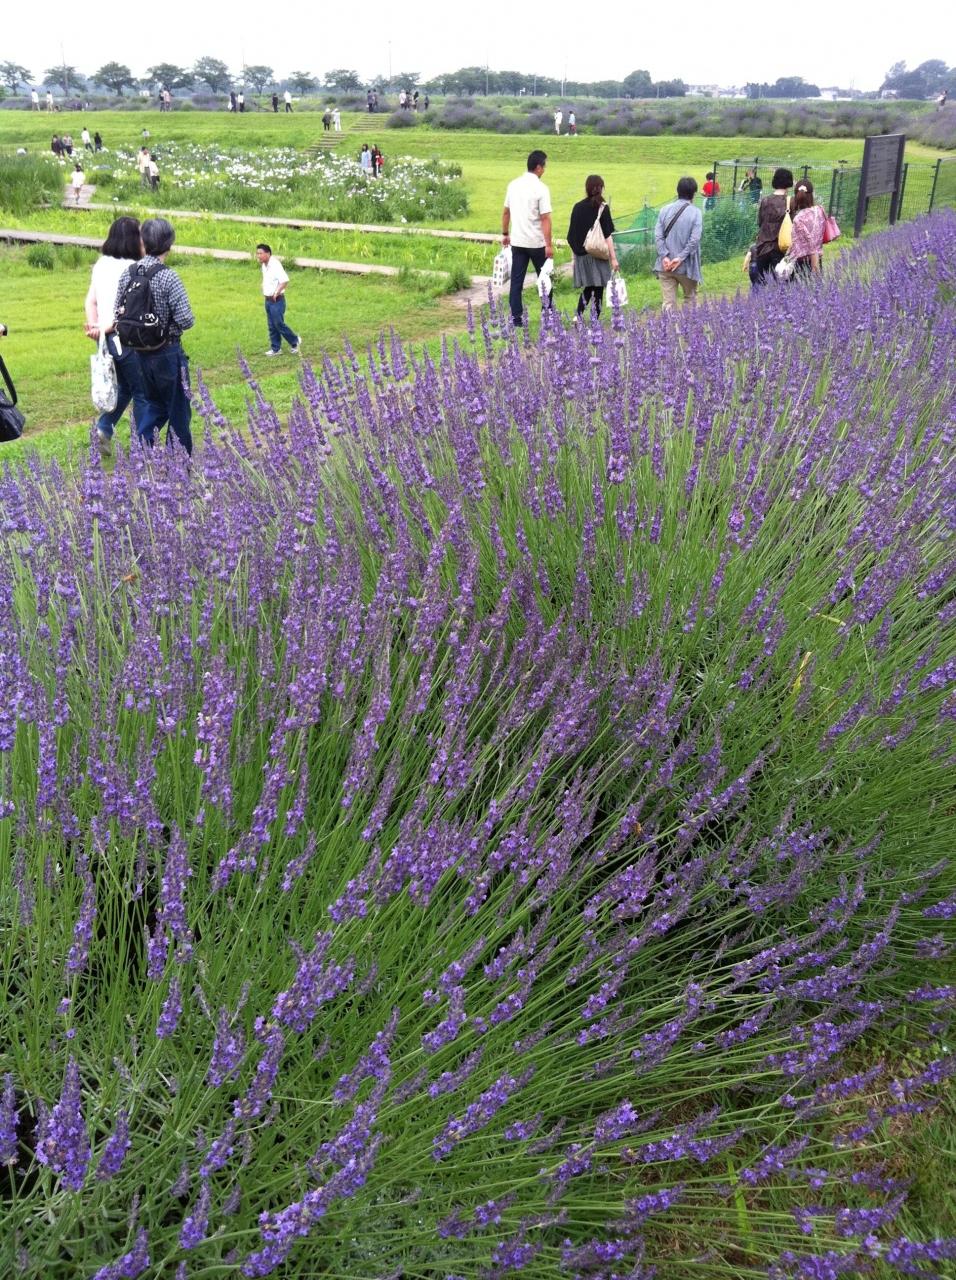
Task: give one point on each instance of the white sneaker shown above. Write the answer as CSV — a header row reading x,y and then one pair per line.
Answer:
x,y
297,349
270,352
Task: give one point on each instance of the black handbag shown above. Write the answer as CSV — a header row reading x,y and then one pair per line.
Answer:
x,y
11,419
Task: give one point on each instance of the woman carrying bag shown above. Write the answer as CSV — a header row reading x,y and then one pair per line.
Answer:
x,y
590,237
123,246
773,227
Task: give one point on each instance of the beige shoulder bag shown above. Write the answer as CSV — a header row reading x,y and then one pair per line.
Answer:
x,y
595,243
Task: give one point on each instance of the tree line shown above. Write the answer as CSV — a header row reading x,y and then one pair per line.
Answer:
x,y
924,81
215,75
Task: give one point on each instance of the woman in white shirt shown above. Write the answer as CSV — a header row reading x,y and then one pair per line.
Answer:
x,y
123,245
77,180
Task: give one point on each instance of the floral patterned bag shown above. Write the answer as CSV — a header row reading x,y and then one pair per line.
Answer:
x,y
104,388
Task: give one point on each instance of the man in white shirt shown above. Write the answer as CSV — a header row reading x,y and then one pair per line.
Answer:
x,y
558,117
86,140
35,98
274,282
288,100
526,226
49,99
142,164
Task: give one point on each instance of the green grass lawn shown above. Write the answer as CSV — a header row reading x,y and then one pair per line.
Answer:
x,y
634,169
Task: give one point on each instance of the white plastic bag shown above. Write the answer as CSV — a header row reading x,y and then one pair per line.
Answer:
x,y
784,269
617,291
501,272
104,388
546,279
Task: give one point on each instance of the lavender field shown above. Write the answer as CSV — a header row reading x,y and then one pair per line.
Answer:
x,y
498,821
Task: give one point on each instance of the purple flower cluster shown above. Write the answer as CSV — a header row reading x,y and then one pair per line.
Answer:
x,y
63,1141
478,1114
315,983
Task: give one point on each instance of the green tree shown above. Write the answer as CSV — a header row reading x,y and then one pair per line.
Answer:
x,y
169,76
672,89
11,74
259,76
64,75
638,85
407,79
302,82
340,78
213,72
115,76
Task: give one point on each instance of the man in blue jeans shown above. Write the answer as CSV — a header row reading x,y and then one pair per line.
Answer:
x,y
274,284
526,226
164,370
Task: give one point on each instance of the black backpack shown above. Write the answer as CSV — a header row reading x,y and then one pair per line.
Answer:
x,y
137,323
11,419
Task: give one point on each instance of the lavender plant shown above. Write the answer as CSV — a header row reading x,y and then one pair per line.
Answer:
x,y
498,821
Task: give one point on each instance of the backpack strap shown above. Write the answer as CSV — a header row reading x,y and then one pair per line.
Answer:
x,y
10,387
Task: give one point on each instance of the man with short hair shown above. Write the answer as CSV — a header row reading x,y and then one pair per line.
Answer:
x,y
677,236
35,98
526,227
142,164
288,100
164,370
86,139
274,283
275,103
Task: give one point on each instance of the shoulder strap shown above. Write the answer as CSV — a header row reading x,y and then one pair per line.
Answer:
x,y
671,224
10,387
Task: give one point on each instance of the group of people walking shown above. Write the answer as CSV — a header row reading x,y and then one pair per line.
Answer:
x,y
526,230
137,311
789,230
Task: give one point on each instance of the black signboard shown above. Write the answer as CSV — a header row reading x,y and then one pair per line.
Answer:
x,y
882,173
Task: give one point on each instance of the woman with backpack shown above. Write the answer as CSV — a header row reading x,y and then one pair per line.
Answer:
x,y
593,262
123,247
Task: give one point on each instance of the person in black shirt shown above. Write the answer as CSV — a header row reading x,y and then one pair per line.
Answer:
x,y
591,273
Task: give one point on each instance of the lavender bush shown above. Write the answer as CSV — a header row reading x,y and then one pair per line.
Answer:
x,y
497,822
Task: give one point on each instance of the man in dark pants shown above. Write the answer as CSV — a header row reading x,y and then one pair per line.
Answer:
x,y
163,372
526,226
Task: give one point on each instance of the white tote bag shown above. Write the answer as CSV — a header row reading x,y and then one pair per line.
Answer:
x,y
104,389
501,271
617,291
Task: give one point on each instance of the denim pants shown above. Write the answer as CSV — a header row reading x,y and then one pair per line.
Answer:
x,y
519,269
278,329
164,382
128,388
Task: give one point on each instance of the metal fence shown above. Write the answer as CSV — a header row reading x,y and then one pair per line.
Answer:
x,y
730,215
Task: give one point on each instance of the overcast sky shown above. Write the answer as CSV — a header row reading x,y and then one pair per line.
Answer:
x,y
701,41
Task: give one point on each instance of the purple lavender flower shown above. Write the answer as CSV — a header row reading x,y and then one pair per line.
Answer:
x,y
64,1144
196,1224
131,1264
478,1114
114,1153
171,1011
8,1123
315,983
228,1051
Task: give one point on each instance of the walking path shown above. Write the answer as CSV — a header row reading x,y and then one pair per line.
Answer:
x,y
476,293
299,224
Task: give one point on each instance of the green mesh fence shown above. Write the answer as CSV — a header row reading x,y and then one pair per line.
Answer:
x,y
730,216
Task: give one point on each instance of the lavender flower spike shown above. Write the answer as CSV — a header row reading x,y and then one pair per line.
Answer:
x,y
8,1122
65,1147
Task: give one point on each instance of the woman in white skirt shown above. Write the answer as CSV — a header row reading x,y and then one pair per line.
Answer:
x,y
591,273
